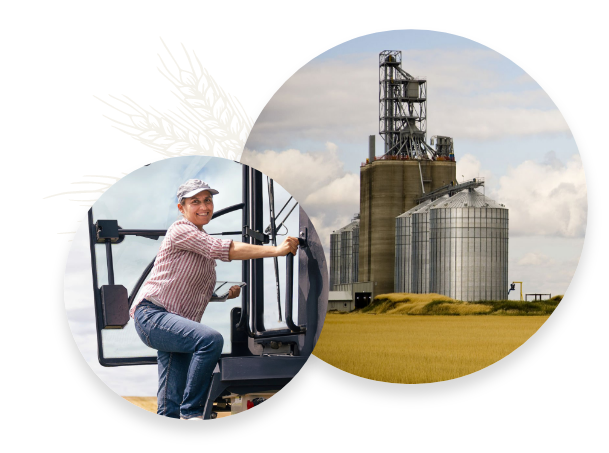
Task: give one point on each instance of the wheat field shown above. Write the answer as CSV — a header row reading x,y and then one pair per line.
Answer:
x,y
420,349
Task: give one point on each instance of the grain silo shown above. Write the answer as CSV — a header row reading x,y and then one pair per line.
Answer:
x,y
403,250
469,247
334,259
419,231
420,246
344,254
409,168
349,239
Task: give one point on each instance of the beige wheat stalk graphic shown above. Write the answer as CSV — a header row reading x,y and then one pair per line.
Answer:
x,y
86,197
208,121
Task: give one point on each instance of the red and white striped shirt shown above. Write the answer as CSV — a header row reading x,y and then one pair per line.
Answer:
x,y
184,274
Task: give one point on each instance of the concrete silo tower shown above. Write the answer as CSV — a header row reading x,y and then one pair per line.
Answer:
x,y
392,183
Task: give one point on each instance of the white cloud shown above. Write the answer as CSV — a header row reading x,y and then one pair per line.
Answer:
x,y
299,173
536,259
341,191
328,194
334,100
548,198
481,121
468,167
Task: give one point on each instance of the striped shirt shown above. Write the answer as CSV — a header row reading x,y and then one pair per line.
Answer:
x,y
184,274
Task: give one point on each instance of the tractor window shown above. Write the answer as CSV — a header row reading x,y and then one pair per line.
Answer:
x,y
289,228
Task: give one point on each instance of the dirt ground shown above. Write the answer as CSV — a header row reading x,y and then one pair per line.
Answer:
x,y
148,403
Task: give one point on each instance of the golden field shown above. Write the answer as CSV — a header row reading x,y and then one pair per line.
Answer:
x,y
418,349
148,403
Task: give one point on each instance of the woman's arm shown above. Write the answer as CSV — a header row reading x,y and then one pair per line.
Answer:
x,y
243,251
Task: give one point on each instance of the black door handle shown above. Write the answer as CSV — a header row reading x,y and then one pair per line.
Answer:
x,y
289,294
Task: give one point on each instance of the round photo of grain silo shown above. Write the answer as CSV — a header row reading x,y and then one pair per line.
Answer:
x,y
448,192
196,288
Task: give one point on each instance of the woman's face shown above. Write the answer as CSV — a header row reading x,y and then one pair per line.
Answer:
x,y
198,209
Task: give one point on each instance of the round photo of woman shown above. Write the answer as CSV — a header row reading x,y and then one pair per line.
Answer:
x,y
207,271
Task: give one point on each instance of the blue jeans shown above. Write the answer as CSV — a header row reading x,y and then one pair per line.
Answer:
x,y
187,355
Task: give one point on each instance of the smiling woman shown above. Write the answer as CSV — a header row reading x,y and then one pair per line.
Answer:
x,y
168,313
197,208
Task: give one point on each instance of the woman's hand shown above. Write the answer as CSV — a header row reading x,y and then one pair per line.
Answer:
x,y
289,245
234,292
243,251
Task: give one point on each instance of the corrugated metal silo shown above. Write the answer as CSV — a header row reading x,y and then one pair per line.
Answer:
x,y
403,250
344,254
348,252
420,235
355,238
469,247
401,278
334,259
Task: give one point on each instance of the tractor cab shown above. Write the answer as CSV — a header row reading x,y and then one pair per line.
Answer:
x,y
269,330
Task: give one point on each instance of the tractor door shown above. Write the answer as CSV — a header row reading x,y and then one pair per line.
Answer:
x,y
126,229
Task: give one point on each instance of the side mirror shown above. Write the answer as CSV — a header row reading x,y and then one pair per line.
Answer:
x,y
115,306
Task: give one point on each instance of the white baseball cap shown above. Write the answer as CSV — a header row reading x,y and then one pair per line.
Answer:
x,y
192,187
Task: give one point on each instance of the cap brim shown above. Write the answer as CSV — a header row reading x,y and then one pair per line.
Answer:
x,y
192,193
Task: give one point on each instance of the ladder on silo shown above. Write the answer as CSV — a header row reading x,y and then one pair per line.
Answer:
x,y
423,181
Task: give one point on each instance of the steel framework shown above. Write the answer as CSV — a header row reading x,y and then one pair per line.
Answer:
x,y
402,109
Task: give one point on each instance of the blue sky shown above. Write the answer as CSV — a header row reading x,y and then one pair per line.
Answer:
x,y
411,39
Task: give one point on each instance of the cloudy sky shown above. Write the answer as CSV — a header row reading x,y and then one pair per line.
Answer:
x,y
147,199
313,135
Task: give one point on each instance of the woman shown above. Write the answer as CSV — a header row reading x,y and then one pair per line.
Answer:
x,y
168,314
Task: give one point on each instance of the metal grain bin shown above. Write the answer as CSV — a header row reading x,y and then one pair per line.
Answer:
x,y
420,249
334,259
344,254
349,237
468,243
355,249
404,270
401,277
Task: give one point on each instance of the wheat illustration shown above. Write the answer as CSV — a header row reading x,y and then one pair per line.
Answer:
x,y
86,197
208,121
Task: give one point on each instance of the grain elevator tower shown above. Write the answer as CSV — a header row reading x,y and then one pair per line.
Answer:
x,y
402,108
392,183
